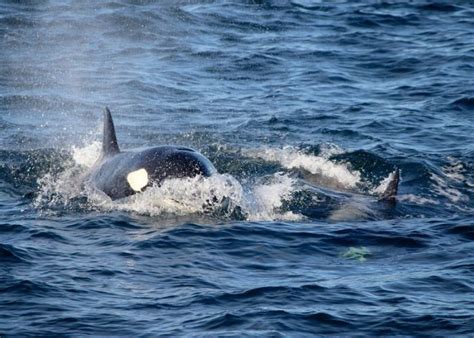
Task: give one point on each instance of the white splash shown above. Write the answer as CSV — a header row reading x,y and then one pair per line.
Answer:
x,y
87,155
269,196
61,188
417,199
457,171
181,196
291,158
219,194
442,188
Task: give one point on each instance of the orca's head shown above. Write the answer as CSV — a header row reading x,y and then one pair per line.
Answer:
x,y
183,162
154,165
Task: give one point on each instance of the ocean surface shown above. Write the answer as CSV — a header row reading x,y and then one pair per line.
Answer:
x,y
304,107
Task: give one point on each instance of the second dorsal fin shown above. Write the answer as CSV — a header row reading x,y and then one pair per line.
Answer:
x,y
391,190
109,139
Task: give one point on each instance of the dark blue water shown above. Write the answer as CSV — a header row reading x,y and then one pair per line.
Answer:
x,y
304,107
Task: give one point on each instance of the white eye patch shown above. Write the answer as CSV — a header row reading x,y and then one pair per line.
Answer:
x,y
138,179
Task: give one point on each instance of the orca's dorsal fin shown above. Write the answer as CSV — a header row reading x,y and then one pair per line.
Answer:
x,y
109,139
391,190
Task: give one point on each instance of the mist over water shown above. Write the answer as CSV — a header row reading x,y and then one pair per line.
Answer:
x,y
305,108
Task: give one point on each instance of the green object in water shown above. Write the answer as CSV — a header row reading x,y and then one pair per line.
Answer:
x,y
359,254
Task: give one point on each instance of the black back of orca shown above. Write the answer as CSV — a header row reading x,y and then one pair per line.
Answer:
x,y
121,174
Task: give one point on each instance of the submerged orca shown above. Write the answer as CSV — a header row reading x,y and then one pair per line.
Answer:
x,y
123,173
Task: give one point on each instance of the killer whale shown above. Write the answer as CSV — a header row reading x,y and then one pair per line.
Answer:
x,y
123,173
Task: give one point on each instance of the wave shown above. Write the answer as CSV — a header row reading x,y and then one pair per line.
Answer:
x,y
466,103
12,254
